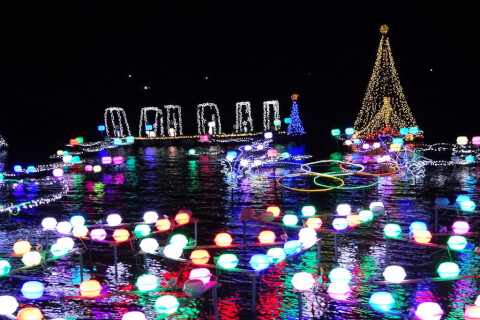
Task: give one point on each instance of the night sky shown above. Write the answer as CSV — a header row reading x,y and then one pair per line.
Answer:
x,y
60,67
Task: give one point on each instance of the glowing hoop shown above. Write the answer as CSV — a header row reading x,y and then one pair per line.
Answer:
x,y
310,174
350,188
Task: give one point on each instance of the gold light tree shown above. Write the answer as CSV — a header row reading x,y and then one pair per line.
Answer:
x,y
384,107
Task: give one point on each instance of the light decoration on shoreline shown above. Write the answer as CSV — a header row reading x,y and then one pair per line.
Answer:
x,y
118,125
214,124
295,127
157,127
174,120
243,117
267,120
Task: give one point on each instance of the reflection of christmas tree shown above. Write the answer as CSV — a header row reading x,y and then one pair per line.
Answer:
x,y
295,128
384,107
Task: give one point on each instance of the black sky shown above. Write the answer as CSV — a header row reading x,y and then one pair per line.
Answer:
x,y
61,68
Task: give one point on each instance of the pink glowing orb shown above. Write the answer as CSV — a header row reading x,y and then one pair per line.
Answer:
x,y
204,138
118,160
58,172
98,234
106,160
272,153
460,227
88,168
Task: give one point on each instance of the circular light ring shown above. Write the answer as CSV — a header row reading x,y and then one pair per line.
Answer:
x,y
398,169
267,164
350,188
308,174
346,172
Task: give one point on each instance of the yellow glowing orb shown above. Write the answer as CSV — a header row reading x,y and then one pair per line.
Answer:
x,y
384,29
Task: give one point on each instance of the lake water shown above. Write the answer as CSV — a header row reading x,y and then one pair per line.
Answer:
x,y
166,179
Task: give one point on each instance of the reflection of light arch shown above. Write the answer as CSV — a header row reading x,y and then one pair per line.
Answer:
x,y
201,121
239,116
174,118
157,124
119,122
267,121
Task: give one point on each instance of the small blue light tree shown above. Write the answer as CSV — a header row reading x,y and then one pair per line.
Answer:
x,y
295,128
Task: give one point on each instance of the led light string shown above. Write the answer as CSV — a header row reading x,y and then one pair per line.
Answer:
x,y
174,112
116,114
157,124
295,127
243,117
215,125
267,121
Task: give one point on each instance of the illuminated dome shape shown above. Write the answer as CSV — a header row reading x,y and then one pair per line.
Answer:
x,y
394,274
107,160
142,230
32,289
292,247
223,239
227,261
422,236
257,162
377,207
121,235
114,219
303,281
354,220
467,206
462,140
183,217
166,304
179,240
80,232
200,274
58,250
172,251
97,168
462,198
193,288
49,223
460,227
344,209
457,242
266,237
29,313
429,311
276,255
339,291
469,159
268,135
200,256
340,274
5,267
442,202
365,215
340,224
259,262
147,282
448,270
472,313
77,221
307,236
8,305
90,288
309,211
392,230
267,216
163,224
192,151
314,223
32,258
98,234
22,247
88,168
290,220
149,245
150,217
417,225
134,315
275,210
476,141
118,160
64,227
382,301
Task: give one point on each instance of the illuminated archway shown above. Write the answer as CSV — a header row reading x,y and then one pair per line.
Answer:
x,y
268,120
213,124
118,124
174,120
244,122
157,124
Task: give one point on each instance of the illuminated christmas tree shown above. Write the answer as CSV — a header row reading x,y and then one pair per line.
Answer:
x,y
384,107
295,127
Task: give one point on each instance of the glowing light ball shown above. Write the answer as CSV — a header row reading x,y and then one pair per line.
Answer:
x,y
134,315
65,153
457,242
267,216
73,142
392,230
227,261
77,221
275,210
172,251
22,247
276,255
462,140
17,168
292,247
339,291
314,223
403,131
193,288
344,209
147,282
461,198
29,313
287,120
285,155
80,232
75,159
49,223
200,274
118,160
309,211
5,267
150,217
8,305
204,138
98,234
442,202
429,311
268,135
121,235
340,274
377,207
365,215
259,262
354,220
142,230
272,153
307,236
148,127
163,224
397,141
349,131
472,313
183,217
58,250
413,130
58,172
97,168
244,162
382,301
166,304
260,147
90,288
149,245
348,142
64,227
290,220
200,256
59,152
340,224
30,169
365,146
417,225
179,240
335,132
303,281
266,236
114,219
192,152
223,239
257,162
376,145
231,155
106,160
117,141
476,141
394,274
32,289
88,168
248,148
469,159
32,258
467,206
448,270
460,227
422,236
395,147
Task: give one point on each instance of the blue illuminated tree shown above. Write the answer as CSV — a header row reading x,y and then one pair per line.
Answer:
x,y
295,127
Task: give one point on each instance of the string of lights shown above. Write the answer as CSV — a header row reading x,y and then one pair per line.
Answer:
x,y
214,125
119,122
295,127
243,117
267,121
174,120
157,124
